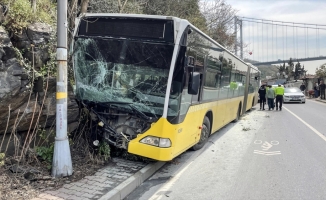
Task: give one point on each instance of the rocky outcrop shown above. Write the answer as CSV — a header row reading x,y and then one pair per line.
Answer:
x,y
33,42
23,107
12,74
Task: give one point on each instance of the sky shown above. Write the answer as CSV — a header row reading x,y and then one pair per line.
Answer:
x,y
286,41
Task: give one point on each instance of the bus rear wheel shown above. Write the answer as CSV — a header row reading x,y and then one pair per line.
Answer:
x,y
205,132
238,114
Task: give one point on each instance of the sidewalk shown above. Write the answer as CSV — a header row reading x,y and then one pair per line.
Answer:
x,y
317,99
113,182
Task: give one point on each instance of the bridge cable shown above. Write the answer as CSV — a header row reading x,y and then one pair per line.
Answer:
x,y
267,40
286,42
262,42
283,39
272,40
297,54
287,25
316,43
293,47
253,40
258,42
307,42
276,42
283,21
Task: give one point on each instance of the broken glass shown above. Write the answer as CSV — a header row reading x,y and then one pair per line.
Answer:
x,y
125,71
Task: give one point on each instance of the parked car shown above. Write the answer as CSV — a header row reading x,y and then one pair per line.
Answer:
x,y
293,94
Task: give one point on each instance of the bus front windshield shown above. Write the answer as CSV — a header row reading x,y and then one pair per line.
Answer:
x,y
122,71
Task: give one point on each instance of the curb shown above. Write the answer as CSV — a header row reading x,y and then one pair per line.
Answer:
x,y
127,186
320,100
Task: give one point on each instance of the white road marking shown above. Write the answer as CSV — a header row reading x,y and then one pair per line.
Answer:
x,y
158,195
267,153
266,146
258,142
305,123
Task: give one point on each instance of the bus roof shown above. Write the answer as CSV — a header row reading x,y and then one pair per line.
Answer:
x,y
184,21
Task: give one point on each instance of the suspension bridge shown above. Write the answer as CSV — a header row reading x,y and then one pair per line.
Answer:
x,y
266,42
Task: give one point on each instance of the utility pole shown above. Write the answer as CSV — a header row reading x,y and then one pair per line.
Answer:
x,y
61,165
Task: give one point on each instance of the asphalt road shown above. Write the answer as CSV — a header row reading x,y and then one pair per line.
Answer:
x,y
266,155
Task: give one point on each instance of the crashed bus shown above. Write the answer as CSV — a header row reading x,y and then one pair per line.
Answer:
x,y
156,85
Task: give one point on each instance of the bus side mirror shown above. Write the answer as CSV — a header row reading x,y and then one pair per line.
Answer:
x,y
194,81
189,61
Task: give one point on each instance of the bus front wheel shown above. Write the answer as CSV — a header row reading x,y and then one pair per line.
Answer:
x,y
205,132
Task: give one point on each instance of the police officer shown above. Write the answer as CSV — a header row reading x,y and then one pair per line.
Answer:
x,y
279,92
262,96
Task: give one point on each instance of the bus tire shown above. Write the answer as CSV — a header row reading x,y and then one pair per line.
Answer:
x,y
205,132
238,114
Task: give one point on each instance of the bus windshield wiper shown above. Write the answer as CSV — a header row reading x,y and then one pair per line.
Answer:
x,y
140,113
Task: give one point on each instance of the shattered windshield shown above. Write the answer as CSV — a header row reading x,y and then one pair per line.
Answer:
x,y
122,71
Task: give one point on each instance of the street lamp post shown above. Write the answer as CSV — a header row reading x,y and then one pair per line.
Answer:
x,y
61,164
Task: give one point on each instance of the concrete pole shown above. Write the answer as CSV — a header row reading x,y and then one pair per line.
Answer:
x,y
235,34
241,40
61,165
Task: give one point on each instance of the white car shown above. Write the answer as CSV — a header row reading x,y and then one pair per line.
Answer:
x,y
293,94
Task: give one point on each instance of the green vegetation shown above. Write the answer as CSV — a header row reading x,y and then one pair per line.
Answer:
x,y
20,14
321,71
46,153
267,70
104,151
2,159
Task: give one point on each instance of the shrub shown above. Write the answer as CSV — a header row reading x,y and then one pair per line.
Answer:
x,y
20,14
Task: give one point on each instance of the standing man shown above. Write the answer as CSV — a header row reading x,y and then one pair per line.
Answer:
x,y
270,97
302,87
322,89
279,92
316,90
262,96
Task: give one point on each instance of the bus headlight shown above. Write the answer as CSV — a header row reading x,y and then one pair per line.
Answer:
x,y
156,141
165,142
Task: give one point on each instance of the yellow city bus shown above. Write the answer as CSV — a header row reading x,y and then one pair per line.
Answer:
x,y
156,85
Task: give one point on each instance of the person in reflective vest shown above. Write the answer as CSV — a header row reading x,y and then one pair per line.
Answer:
x,y
270,94
279,92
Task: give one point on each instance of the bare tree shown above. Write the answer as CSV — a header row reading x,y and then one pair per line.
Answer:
x,y
117,6
186,9
220,21
122,5
33,2
84,6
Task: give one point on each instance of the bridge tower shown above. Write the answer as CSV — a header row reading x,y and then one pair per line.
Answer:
x,y
237,22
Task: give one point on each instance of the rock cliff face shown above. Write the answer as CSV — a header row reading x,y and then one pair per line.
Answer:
x,y
12,74
23,107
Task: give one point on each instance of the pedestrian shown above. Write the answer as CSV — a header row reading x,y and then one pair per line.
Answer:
x,y
270,97
262,96
322,90
279,92
316,90
302,87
